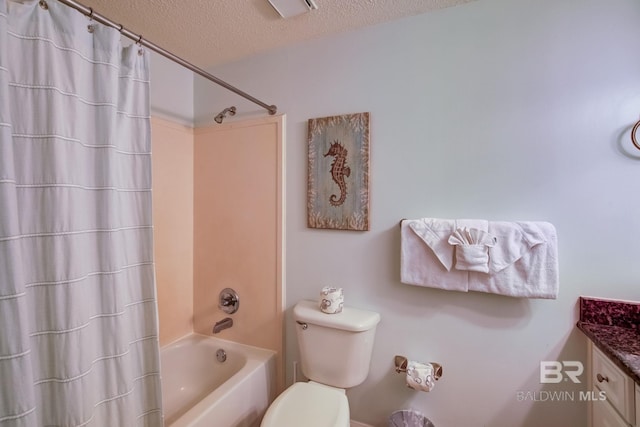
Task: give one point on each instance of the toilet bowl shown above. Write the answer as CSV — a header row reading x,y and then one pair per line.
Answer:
x,y
335,354
310,405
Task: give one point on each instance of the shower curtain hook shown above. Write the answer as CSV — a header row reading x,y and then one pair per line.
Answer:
x,y
91,28
43,4
140,50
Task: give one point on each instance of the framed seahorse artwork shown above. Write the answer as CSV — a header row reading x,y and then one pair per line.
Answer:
x,y
338,180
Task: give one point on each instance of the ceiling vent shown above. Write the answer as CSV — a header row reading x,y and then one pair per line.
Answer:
x,y
289,8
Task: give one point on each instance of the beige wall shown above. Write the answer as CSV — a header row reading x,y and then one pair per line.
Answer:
x,y
238,229
172,146
217,205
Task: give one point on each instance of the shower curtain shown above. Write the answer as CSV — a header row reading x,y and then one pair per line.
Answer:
x,y
78,311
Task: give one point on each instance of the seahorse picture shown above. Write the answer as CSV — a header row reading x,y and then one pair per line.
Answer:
x,y
338,179
339,171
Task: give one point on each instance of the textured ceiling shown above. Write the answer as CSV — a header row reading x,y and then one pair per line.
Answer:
x,y
211,32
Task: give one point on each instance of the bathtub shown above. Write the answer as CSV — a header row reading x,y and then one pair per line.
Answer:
x,y
200,391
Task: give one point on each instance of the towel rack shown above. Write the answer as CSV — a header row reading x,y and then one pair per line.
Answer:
x,y
634,131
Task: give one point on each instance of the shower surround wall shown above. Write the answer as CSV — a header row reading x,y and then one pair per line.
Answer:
x,y
173,231
496,109
217,209
238,232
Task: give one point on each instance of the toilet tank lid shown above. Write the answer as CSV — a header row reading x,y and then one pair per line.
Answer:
x,y
350,319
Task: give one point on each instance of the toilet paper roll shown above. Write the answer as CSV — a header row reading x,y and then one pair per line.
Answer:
x,y
421,376
331,300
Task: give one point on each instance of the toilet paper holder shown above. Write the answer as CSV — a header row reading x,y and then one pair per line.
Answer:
x,y
401,366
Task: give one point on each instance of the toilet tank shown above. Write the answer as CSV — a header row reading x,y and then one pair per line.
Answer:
x,y
335,349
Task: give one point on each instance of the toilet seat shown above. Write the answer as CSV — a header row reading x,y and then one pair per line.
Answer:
x,y
310,405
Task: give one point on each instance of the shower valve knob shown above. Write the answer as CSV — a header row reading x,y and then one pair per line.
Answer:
x,y
228,301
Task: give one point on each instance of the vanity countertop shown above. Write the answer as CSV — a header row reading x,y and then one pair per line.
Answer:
x,y
614,327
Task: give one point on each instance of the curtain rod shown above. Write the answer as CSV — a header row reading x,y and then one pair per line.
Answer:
x,y
87,11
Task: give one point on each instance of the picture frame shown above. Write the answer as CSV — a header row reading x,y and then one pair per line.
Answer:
x,y
338,172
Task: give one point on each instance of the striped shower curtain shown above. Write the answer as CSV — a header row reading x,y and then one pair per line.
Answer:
x,y
78,311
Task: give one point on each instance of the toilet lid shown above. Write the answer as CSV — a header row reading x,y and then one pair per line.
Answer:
x,y
309,405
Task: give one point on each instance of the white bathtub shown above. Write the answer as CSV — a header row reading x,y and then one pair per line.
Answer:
x,y
199,391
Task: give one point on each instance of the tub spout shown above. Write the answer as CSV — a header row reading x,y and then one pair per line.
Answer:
x,y
225,323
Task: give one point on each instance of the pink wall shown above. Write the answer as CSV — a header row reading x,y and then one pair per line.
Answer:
x,y
217,205
238,229
172,146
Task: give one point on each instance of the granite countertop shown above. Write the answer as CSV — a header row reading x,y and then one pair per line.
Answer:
x,y
614,327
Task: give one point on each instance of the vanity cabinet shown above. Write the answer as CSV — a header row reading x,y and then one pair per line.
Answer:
x,y
637,405
620,406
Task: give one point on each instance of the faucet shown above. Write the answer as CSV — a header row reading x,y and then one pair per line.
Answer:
x,y
225,323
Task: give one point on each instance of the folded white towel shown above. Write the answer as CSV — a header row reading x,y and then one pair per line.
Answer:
x,y
472,249
524,263
427,258
521,263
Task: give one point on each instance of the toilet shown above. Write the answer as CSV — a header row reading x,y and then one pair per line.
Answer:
x,y
335,353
